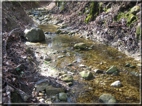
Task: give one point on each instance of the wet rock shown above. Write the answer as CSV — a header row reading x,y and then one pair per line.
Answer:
x,y
67,78
80,46
98,71
86,75
132,66
134,73
82,66
70,64
50,90
112,70
47,58
34,35
41,85
107,98
116,84
127,65
69,83
58,32
63,96
61,56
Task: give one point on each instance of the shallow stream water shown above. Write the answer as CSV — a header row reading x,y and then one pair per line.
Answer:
x,y
97,56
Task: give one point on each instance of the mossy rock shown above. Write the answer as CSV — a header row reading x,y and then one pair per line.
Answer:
x,y
135,9
112,70
86,75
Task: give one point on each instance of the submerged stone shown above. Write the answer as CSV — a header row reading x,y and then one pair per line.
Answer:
x,y
81,46
50,90
107,98
63,96
86,75
67,78
112,70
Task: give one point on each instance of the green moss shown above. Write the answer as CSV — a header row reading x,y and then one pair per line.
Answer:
x,y
128,16
138,29
135,9
89,18
93,11
108,10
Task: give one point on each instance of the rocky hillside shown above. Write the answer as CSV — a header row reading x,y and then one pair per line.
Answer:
x,y
114,23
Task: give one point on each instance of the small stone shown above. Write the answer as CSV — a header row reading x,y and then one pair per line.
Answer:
x,y
47,58
98,71
132,66
42,100
82,66
63,96
70,64
40,94
86,75
107,98
127,65
61,56
116,84
112,70
67,78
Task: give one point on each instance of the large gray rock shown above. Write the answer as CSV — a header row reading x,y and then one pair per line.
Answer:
x,y
34,35
107,98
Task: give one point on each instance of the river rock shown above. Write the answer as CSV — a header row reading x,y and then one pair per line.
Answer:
x,y
112,70
67,78
116,84
47,58
63,96
107,98
34,35
41,85
98,71
86,75
50,90
80,46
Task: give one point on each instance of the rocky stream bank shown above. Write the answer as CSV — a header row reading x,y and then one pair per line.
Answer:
x,y
74,65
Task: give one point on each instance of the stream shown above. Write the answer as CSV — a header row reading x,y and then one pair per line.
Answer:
x,y
65,59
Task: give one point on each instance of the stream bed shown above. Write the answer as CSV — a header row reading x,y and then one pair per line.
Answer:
x,y
66,59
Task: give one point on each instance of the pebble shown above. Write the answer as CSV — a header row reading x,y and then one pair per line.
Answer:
x,y
116,84
82,66
98,71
